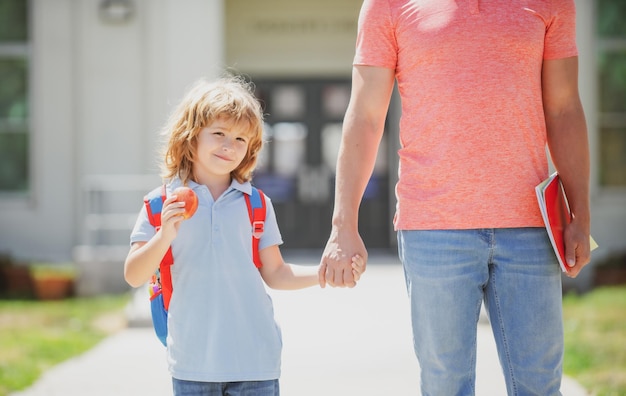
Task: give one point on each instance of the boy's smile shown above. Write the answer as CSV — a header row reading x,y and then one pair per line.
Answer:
x,y
221,148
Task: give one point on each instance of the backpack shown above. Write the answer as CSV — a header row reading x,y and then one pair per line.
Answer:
x,y
160,286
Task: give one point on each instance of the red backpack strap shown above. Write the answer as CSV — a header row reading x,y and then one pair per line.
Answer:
x,y
256,211
154,205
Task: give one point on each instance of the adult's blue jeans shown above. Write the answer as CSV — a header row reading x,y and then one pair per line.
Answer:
x,y
449,273
245,388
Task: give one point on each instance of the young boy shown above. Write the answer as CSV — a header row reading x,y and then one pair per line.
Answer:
x,y
222,336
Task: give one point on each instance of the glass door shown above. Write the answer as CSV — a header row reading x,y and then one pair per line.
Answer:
x,y
297,165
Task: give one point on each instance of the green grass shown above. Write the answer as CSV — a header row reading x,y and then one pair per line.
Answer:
x,y
595,340
36,335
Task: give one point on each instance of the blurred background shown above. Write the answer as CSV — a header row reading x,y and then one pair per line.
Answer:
x,y
86,85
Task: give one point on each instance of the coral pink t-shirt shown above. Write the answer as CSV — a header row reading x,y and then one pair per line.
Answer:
x,y
472,130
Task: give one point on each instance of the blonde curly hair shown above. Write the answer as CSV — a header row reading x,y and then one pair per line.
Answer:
x,y
230,98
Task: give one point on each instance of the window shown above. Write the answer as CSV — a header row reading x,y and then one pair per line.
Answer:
x,y
14,64
611,33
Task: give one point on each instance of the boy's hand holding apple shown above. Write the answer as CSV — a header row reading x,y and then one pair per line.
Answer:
x,y
186,195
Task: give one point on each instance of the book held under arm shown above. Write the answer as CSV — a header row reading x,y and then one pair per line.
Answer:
x,y
556,215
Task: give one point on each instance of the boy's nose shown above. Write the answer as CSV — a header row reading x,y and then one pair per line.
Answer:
x,y
227,146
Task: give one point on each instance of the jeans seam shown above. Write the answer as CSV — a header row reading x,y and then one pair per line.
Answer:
x,y
505,345
474,352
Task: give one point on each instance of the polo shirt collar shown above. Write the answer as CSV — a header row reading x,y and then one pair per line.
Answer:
x,y
244,187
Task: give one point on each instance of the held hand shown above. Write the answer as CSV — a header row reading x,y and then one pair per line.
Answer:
x,y
358,267
577,248
337,266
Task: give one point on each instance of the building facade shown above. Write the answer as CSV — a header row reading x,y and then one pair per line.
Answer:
x,y
85,87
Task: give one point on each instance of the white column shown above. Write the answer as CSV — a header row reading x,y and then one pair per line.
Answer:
x,y
195,43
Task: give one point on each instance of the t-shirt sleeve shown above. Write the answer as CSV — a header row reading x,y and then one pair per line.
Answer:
x,y
376,44
560,38
143,231
271,233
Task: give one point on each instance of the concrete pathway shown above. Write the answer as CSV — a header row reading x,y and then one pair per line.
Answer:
x,y
336,342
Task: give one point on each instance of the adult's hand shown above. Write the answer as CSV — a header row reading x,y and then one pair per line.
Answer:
x,y
577,247
336,264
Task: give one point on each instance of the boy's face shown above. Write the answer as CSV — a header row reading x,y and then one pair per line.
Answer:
x,y
221,147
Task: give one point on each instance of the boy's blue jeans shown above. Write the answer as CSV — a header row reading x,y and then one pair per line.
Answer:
x,y
449,273
245,388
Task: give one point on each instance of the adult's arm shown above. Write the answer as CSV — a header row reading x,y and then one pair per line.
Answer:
x,y
363,128
569,149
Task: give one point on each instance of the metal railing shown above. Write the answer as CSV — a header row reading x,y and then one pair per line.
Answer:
x,y
111,204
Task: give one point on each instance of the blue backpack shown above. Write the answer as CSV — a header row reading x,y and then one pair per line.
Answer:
x,y
160,286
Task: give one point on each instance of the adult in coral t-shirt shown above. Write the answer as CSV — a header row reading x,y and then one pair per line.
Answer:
x,y
484,86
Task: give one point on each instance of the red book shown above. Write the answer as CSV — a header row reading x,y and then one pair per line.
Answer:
x,y
556,215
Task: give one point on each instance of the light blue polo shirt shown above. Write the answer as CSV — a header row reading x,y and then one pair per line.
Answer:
x,y
221,325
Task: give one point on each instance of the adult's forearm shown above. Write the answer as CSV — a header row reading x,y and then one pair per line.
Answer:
x,y
569,149
355,164
362,130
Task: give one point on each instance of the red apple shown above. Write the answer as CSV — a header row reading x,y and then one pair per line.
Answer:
x,y
186,195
